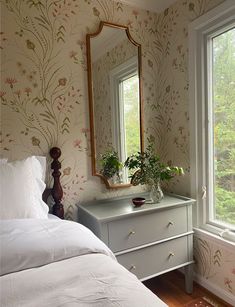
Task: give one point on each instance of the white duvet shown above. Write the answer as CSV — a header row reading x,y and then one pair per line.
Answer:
x,y
29,243
60,263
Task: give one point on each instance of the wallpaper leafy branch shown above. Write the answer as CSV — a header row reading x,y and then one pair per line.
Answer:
x,y
46,101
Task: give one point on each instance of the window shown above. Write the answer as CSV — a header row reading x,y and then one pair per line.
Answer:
x,y
212,92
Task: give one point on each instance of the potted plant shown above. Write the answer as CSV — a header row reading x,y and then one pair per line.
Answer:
x,y
148,169
110,164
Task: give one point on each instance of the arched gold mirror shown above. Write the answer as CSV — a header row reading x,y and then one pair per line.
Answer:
x,y
115,101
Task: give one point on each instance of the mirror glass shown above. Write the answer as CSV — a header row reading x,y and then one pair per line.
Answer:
x,y
114,80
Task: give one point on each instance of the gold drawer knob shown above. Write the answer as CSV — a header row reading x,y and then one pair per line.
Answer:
x,y
171,255
170,223
132,232
133,267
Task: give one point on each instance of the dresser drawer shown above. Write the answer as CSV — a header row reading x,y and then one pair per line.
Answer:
x,y
156,258
147,228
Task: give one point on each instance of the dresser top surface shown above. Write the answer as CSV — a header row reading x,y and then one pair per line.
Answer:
x,y
110,209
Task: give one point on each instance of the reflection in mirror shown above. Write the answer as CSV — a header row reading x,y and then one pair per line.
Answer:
x,y
115,101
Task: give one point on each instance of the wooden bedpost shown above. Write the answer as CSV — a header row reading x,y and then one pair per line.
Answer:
x,y
56,191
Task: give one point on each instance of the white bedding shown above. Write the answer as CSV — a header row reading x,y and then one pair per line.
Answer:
x,y
61,263
29,243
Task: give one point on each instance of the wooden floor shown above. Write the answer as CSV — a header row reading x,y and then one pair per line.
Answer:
x,y
170,288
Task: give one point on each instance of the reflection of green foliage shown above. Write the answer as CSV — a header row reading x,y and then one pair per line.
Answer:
x,y
224,125
149,168
110,164
132,121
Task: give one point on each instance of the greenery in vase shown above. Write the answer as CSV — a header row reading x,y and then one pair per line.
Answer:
x,y
148,169
110,164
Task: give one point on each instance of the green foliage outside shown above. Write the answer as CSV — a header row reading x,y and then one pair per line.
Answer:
x,y
224,125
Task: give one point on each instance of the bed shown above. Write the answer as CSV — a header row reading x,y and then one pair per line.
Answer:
x,y
48,261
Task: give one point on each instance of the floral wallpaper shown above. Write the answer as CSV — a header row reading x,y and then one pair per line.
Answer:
x,y
215,263
101,69
44,97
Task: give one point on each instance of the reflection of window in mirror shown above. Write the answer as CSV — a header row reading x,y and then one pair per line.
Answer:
x,y
124,82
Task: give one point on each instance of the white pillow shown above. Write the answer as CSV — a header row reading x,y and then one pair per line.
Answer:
x,y
21,190
43,162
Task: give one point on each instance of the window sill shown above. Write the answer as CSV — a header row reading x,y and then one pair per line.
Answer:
x,y
206,232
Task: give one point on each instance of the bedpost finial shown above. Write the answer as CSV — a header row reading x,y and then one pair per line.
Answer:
x,y
55,153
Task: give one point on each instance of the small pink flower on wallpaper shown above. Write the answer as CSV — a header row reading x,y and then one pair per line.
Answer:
x,y
146,22
2,94
17,93
135,13
77,143
28,91
73,55
85,131
62,81
227,281
10,81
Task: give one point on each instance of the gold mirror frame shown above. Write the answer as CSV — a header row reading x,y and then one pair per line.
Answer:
x,y
91,99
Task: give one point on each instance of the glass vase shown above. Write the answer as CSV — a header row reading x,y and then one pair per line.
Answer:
x,y
156,193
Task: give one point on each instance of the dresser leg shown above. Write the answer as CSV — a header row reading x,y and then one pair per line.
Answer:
x,y
188,270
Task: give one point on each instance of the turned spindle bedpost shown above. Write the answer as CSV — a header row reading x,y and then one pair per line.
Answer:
x,y
56,191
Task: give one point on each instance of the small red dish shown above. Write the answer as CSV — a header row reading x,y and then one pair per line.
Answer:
x,y
138,201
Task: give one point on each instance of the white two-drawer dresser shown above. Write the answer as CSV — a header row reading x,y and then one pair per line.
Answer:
x,y
149,240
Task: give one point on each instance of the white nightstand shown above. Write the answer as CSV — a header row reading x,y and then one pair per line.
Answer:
x,y
150,240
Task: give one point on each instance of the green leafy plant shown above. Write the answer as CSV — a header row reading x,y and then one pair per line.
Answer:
x,y
148,169
110,164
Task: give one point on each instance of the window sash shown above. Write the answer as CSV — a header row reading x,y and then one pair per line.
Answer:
x,y
200,31
209,126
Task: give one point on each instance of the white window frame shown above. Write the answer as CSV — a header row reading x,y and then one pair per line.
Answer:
x,y
200,33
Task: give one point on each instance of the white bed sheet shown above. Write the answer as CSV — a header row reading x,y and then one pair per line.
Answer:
x,y
52,263
87,280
